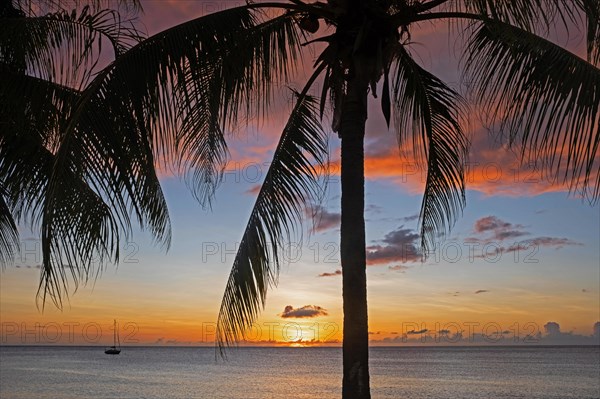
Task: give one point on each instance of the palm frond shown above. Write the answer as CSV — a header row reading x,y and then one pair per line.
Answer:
x,y
33,8
290,183
545,98
171,98
63,47
431,111
86,231
193,81
540,16
31,110
591,9
118,165
9,235
527,14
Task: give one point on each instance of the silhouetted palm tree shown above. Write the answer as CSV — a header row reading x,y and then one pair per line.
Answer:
x,y
172,97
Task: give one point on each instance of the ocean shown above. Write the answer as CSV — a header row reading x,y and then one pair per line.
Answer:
x,y
396,372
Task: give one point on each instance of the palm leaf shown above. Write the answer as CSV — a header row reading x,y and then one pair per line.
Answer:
x,y
591,10
9,235
527,14
173,94
118,165
431,111
545,98
189,83
63,47
31,110
537,16
30,6
87,230
290,183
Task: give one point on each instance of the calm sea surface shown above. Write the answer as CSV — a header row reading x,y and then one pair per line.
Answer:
x,y
412,373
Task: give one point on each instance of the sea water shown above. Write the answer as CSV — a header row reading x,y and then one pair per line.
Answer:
x,y
396,372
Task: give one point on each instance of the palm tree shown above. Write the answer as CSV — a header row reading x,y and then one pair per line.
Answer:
x,y
172,97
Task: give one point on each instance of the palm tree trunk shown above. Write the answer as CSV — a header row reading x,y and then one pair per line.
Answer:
x,y
355,384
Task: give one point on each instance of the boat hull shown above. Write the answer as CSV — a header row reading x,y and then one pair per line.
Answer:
x,y
112,351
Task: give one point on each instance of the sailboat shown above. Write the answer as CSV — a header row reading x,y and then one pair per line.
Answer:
x,y
115,349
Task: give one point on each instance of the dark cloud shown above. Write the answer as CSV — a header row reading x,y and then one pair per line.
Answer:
x,y
493,231
552,242
416,332
531,244
307,311
481,291
498,228
552,336
335,273
373,208
323,219
552,328
410,218
490,223
400,245
504,235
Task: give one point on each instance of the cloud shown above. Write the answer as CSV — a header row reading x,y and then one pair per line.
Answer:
x,y
416,332
373,208
335,273
254,190
499,229
552,335
323,219
401,245
495,231
489,223
410,218
552,328
307,311
481,291
491,169
552,242
399,268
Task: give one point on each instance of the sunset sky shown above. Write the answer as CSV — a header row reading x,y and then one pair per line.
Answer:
x,y
525,253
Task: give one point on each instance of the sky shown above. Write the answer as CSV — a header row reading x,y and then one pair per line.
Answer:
x,y
521,265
